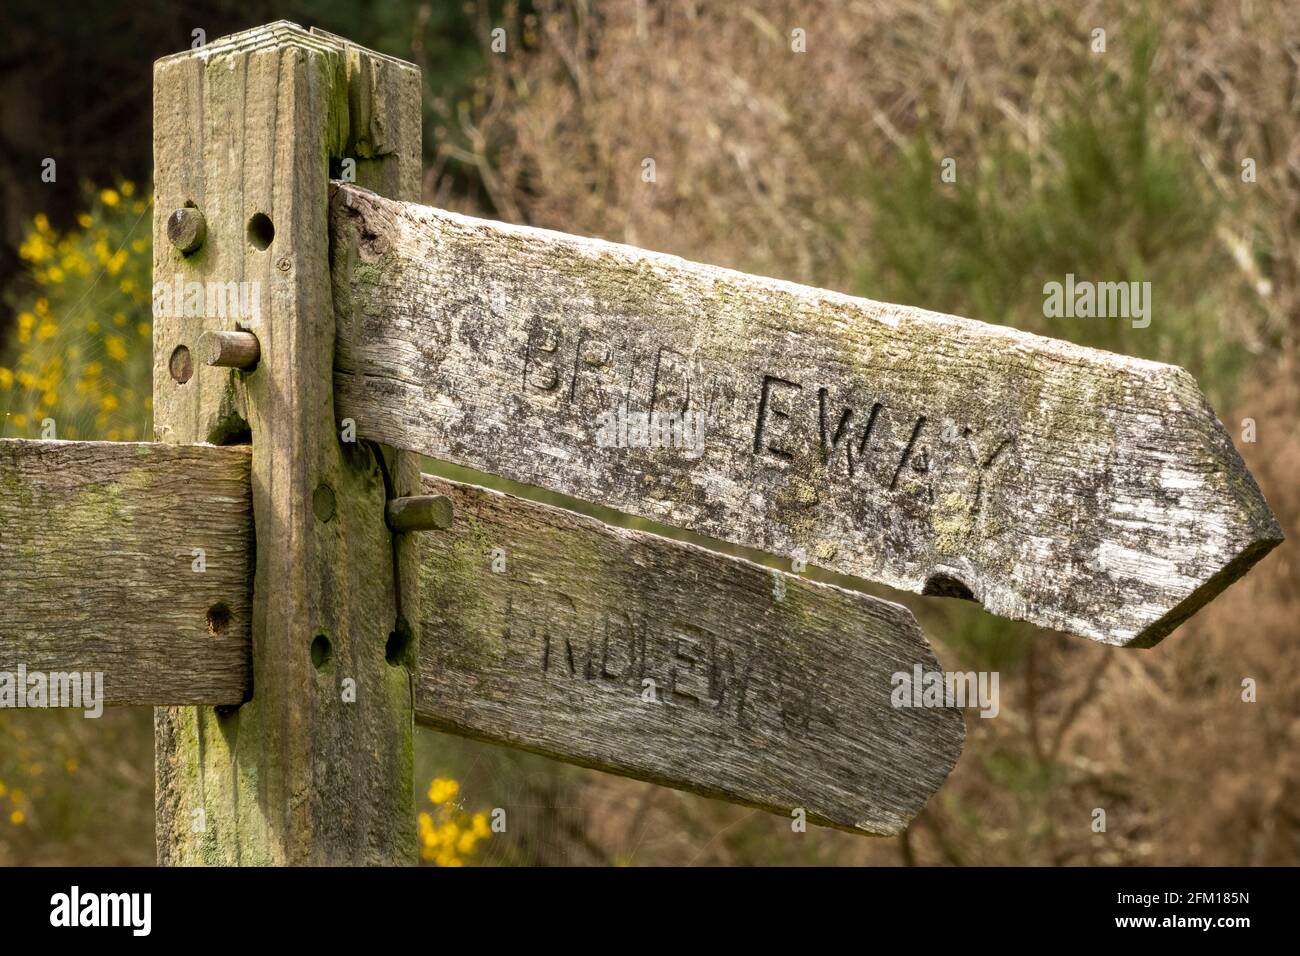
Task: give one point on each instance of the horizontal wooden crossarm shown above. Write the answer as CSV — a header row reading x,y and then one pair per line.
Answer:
x,y
130,560
1080,490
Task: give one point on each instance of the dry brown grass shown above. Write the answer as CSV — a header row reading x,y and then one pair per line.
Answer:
x,y
758,151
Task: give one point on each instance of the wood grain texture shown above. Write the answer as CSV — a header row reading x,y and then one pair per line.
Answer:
x,y
1080,490
97,552
316,768
768,689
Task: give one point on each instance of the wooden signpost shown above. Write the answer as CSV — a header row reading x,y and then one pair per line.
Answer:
x,y
277,577
659,660
1077,489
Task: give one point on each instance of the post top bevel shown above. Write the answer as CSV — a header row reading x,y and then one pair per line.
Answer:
x,y
280,33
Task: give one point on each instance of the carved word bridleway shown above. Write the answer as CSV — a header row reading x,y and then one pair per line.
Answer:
x,y
1081,490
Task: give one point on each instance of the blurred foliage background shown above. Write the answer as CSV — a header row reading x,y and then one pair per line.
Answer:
x,y
820,167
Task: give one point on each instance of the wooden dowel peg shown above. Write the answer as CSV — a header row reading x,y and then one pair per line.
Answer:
x,y
418,513
186,229
230,350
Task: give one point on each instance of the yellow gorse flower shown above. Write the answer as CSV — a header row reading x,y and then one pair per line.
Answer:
x,y
442,790
35,248
448,835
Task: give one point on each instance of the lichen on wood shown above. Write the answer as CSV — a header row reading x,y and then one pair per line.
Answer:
x,y
1084,491
131,560
316,767
655,659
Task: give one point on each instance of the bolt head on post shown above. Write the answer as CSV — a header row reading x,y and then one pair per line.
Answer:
x,y
186,229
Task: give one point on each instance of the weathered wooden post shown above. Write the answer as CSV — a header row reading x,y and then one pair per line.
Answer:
x,y
316,766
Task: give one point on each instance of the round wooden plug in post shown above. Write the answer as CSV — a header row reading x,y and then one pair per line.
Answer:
x,y
230,350
418,513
